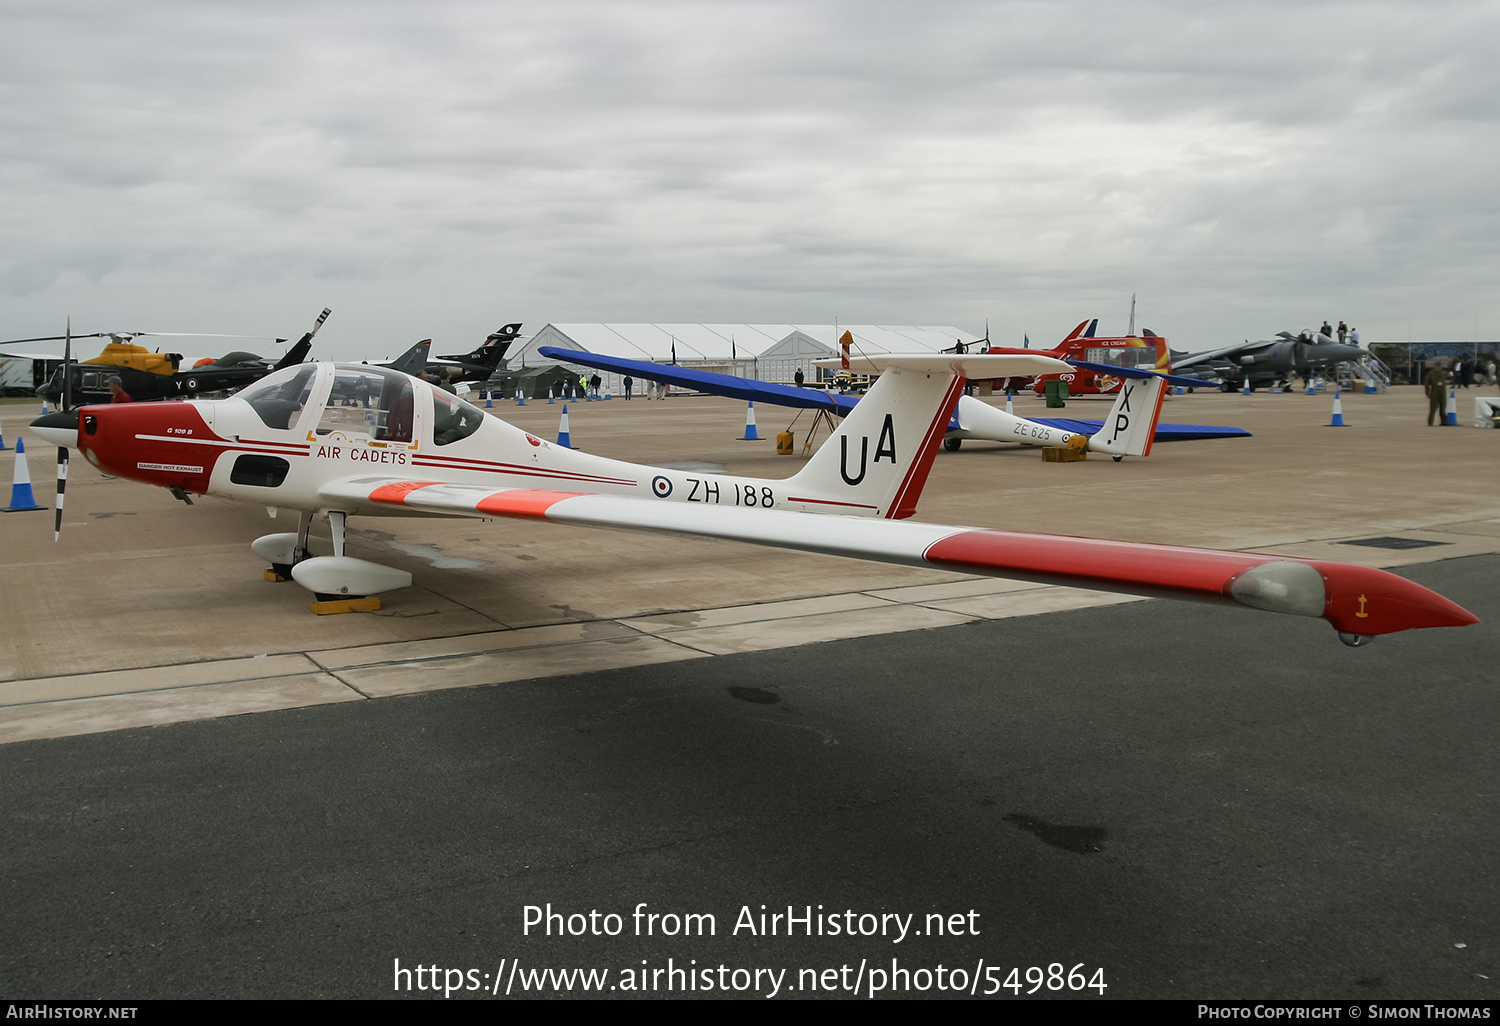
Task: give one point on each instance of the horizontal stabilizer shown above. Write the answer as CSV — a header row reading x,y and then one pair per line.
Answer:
x,y
1163,433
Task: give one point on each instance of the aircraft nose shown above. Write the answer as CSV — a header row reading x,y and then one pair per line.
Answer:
x,y
60,428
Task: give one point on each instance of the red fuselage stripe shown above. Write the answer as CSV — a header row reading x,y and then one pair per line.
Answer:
x,y
466,463
833,502
514,471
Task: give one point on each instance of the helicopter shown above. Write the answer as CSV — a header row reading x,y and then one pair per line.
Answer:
x,y
145,375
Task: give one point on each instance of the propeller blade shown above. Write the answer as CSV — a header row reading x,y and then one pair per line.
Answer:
x,y
62,486
67,392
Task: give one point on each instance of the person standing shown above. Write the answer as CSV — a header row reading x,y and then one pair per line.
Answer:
x,y
629,383
1436,383
798,378
120,395
1343,332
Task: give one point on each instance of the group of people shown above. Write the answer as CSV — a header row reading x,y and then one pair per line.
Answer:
x,y
1344,333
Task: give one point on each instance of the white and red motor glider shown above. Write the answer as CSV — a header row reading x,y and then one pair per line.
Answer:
x,y
342,440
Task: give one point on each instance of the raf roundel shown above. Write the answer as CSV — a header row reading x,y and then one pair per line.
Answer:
x,y
661,486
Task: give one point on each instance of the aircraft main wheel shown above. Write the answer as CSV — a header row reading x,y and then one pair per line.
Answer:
x,y
952,444
1225,386
1117,459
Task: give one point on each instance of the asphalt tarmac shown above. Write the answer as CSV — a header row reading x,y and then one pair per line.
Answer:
x,y
1177,801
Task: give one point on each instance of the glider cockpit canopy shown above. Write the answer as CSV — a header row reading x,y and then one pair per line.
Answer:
x,y
360,400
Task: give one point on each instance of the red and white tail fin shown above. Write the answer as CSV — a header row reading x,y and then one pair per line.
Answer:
x,y
877,461
1078,331
1131,424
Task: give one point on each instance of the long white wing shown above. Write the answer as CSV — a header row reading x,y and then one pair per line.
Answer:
x,y
1358,601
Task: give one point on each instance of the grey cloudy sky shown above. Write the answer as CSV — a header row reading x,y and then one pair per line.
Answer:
x,y
437,169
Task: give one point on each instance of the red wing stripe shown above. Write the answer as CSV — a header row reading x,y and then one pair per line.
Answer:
x,y
1094,563
395,494
522,502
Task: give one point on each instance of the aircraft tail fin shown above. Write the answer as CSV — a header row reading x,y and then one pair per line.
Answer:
x,y
414,360
1131,424
877,461
492,350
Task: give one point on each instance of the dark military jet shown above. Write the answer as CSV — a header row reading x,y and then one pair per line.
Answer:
x,y
1270,361
478,365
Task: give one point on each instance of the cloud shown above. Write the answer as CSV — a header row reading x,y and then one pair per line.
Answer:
x,y
431,169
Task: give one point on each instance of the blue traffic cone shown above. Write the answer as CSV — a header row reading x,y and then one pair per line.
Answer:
x,y
1338,411
489,400
563,438
607,394
550,397
1369,386
1008,405
520,397
1452,419
1246,389
3,446
750,435
21,498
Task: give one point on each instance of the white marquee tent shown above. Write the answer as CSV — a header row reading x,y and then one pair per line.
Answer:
x,y
770,352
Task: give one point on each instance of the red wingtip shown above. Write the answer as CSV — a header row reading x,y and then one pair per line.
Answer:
x,y
1363,600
